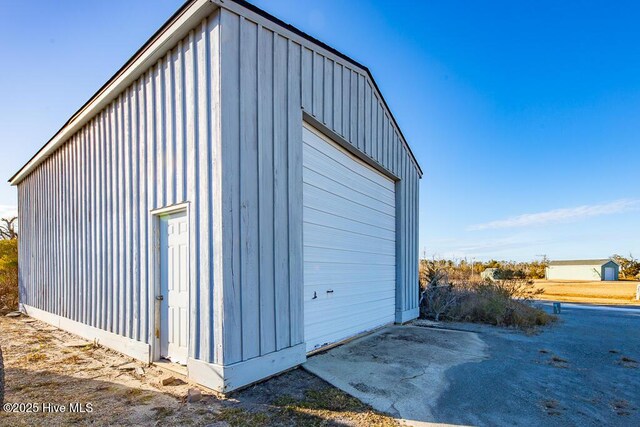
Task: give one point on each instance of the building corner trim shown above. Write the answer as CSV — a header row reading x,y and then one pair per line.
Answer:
x,y
227,378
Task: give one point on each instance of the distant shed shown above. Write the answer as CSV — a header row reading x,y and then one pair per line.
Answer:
x,y
589,269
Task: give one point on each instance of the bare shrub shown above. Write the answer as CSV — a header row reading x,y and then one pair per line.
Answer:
x,y
504,302
437,300
8,275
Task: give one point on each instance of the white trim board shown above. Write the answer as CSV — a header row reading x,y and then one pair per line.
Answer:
x,y
127,346
407,315
232,377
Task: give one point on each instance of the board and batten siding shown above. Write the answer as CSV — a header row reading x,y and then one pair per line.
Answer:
x,y
269,76
86,228
215,123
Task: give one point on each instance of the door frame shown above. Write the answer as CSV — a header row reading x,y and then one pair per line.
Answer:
x,y
155,279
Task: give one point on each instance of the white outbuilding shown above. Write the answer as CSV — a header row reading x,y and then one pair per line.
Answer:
x,y
587,269
236,196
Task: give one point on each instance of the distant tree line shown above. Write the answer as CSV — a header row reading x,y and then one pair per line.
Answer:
x,y
464,270
8,265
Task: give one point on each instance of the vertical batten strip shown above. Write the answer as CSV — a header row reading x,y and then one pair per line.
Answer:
x,y
129,219
249,230
204,194
120,260
179,120
93,214
230,177
281,229
265,191
294,193
328,92
112,191
337,96
191,123
172,109
135,213
142,209
217,208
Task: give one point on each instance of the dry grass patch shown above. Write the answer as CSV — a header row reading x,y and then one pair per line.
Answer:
x,y
41,366
621,292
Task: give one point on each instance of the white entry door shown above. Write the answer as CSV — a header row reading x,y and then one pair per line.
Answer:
x,y
174,276
349,229
609,273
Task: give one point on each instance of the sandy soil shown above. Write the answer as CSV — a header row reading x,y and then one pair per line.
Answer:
x,y
45,365
622,292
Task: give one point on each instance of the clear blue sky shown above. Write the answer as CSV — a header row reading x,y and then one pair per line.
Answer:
x,y
525,116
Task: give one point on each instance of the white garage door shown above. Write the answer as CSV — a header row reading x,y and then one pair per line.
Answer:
x,y
349,244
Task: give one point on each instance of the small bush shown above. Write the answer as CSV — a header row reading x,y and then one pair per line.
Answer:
x,y
503,303
8,275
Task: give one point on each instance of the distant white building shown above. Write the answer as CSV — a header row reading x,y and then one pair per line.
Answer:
x,y
489,273
586,269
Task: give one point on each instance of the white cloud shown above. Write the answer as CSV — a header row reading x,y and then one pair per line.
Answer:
x,y
8,211
561,215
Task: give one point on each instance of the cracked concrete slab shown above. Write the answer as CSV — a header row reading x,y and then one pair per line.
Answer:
x,y
400,369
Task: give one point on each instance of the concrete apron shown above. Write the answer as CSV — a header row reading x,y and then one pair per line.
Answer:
x,y
399,370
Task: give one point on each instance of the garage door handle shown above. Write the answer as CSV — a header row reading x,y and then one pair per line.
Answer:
x,y
330,291
159,298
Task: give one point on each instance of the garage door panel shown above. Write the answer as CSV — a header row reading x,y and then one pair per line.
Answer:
x,y
345,191
349,244
345,290
329,202
313,171
336,336
316,254
340,194
327,316
319,235
374,315
324,220
376,291
337,158
348,299
331,272
359,185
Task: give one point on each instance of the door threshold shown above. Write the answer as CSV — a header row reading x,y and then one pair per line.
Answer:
x,y
171,366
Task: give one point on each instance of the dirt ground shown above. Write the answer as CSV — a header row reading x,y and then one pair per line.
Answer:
x,y
622,292
47,366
